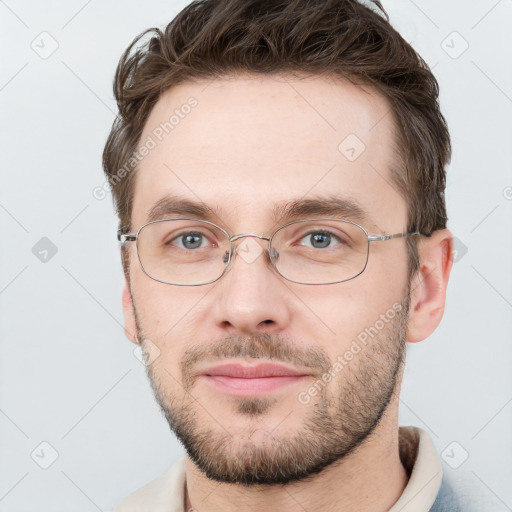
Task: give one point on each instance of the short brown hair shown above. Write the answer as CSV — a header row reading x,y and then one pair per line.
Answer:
x,y
341,38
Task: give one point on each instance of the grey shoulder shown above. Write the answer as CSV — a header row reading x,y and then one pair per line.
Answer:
x,y
463,495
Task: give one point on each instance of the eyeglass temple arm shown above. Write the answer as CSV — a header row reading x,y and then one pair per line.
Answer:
x,y
381,238
124,236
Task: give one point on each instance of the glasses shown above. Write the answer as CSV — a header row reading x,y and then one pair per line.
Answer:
x,y
192,252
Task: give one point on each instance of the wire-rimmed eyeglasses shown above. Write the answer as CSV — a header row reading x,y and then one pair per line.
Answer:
x,y
193,252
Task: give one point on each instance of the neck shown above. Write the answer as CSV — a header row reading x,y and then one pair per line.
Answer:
x,y
371,478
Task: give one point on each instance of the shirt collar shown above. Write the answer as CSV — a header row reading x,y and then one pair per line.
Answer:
x,y
417,453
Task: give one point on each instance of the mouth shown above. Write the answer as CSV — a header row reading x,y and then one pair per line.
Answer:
x,y
243,380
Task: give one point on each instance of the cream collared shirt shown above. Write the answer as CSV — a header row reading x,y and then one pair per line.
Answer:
x,y
417,452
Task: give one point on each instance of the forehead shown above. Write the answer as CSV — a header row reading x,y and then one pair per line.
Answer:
x,y
246,145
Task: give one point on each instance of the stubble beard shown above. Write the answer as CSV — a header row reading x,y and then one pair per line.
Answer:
x,y
340,417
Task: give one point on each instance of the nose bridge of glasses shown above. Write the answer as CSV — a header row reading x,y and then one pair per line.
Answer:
x,y
237,237
247,252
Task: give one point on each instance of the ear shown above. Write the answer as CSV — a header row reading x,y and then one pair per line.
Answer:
x,y
130,327
428,286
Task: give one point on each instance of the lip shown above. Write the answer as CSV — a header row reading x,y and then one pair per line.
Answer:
x,y
243,380
257,371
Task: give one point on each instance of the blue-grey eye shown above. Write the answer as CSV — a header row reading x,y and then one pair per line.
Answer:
x,y
320,240
190,240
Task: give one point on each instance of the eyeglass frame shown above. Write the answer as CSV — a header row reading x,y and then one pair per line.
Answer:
x,y
124,237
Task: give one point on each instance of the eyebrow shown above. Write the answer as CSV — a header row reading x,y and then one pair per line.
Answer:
x,y
331,206
328,206
175,205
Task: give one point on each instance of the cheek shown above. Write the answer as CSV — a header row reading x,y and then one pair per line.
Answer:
x,y
165,370
338,314
161,309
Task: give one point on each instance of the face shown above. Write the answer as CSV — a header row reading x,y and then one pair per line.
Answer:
x,y
250,147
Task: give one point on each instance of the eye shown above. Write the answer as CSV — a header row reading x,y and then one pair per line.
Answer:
x,y
190,240
320,240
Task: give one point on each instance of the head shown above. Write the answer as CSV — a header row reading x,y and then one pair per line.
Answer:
x,y
237,112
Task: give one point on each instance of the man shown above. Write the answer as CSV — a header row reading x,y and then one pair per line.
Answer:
x,y
279,169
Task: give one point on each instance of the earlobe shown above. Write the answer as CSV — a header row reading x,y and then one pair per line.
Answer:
x,y
130,328
428,287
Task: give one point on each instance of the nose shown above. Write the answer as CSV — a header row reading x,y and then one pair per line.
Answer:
x,y
252,296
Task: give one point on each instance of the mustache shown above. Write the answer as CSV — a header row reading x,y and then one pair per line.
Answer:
x,y
258,346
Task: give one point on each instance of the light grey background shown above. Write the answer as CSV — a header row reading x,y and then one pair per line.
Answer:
x,y
68,376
